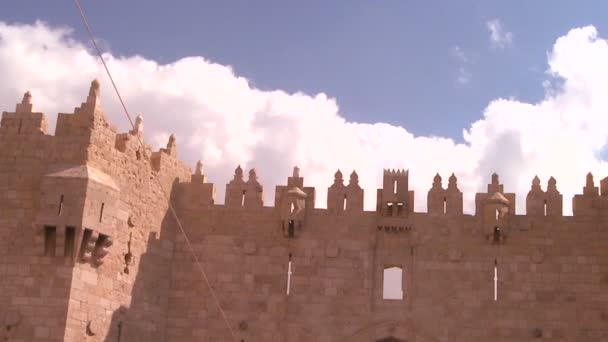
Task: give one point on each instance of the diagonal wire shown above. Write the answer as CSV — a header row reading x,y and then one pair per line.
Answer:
x,y
141,143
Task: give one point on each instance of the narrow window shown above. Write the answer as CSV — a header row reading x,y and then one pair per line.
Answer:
x,y
445,205
497,234
395,186
243,198
86,236
392,287
60,206
292,208
545,208
497,214
20,125
399,208
344,203
70,238
389,207
291,228
50,240
495,280
101,212
289,274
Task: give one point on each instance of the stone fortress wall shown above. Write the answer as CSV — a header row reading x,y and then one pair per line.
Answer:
x,y
89,250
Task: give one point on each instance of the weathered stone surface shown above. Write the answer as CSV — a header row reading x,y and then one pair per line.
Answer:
x,y
89,250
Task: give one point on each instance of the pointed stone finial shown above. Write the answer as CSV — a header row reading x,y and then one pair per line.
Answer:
x,y
338,177
94,89
26,104
27,98
552,185
590,180
238,172
535,184
452,182
253,175
495,178
171,142
437,181
296,172
199,168
139,124
354,178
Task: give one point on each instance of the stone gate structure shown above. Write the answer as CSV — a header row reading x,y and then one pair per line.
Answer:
x,y
89,250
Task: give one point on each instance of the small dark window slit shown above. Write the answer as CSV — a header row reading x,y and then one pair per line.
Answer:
x,y
70,239
60,209
101,212
20,125
291,229
50,240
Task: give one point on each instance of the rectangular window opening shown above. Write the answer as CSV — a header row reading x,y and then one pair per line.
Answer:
x,y
497,214
392,283
60,209
545,208
445,205
70,239
86,236
243,198
344,203
50,240
400,207
395,186
101,212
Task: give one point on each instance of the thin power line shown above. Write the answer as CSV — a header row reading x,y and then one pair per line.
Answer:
x,y
179,224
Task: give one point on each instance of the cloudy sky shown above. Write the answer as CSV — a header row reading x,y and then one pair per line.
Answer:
x,y
470,87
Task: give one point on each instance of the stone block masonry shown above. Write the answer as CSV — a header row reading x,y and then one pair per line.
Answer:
x,y
89,251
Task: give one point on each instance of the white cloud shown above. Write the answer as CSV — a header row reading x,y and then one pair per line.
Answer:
x,y
220,118
498,36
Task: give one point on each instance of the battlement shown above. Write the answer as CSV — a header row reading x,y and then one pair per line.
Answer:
x,y
85,136
86,231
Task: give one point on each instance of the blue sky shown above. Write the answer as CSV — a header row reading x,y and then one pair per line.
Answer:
x,y
403,79
384,61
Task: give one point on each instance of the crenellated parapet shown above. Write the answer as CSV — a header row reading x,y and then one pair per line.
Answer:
x,y
541,203
86,134
445,201
294,203
593,201
495,209
241,194
23,121
395,199
342,198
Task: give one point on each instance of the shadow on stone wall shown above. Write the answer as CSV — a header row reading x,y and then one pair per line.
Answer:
x,y
145,320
